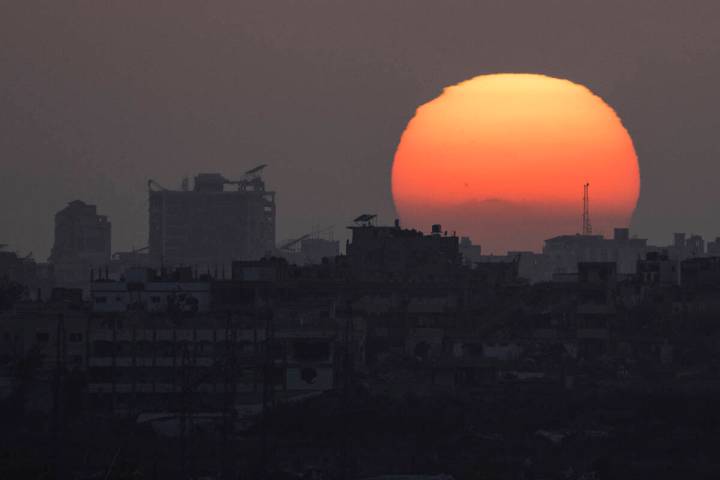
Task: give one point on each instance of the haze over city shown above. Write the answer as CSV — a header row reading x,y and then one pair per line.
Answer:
x,y
359,240
97,98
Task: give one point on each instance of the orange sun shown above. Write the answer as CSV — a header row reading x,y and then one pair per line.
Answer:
x,y
503,159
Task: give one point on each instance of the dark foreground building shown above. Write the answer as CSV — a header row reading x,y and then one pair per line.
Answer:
x,y
395,254
395,359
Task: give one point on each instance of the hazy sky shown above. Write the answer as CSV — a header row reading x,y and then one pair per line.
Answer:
x,y
97,97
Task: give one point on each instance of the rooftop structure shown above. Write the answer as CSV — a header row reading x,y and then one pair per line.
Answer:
x,y
397,254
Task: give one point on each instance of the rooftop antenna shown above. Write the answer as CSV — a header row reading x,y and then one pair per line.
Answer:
x,y
586,225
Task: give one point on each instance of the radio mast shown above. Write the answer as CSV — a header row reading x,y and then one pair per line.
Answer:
x,y
586,225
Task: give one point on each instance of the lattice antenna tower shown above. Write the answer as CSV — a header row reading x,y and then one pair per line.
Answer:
x,y
586,225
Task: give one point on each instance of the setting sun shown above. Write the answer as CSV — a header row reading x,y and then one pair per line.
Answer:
x,y
503,159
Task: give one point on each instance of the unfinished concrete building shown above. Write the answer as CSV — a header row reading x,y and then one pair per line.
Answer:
x,y
216,222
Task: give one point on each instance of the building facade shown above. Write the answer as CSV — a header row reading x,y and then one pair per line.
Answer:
x,y
396,254
82,243
216,222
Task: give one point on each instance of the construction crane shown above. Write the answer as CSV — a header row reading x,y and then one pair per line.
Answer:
x,y
253,172
251,177
290,243
152,183
248,176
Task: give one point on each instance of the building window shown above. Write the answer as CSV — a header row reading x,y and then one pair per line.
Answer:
x,y
104,348
155,299
100,299
75,337
311,350
42,337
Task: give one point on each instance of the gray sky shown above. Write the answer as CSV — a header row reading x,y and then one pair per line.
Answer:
x,y
96,97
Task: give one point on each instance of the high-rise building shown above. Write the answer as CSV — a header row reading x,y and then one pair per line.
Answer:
x,y
216,222
695,246
82,242
713,247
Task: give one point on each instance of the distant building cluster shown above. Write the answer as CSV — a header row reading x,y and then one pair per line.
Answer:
x,y
212,351
398,291
560,255
216,221
206,226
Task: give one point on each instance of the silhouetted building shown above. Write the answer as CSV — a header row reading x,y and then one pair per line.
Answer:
x,y
686,247
124,261
679,240
82,242
621,234
658,269
141,289
695,246
15,268
216,222
315,249
396,254
713,247
470,252
310,248
265,270
80,233
598,273
565,251
701,274
530,266
36,277
497,272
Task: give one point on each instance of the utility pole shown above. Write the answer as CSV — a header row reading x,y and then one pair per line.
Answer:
x,y
348,371
58,393
229,370
185,412
268,388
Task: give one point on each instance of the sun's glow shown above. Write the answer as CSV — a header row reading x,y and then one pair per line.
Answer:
x,y
503,158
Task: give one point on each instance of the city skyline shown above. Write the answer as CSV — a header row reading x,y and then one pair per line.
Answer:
x,y
100,108
359,240
309,230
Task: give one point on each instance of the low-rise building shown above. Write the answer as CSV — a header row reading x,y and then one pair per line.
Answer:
x,y
145,290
